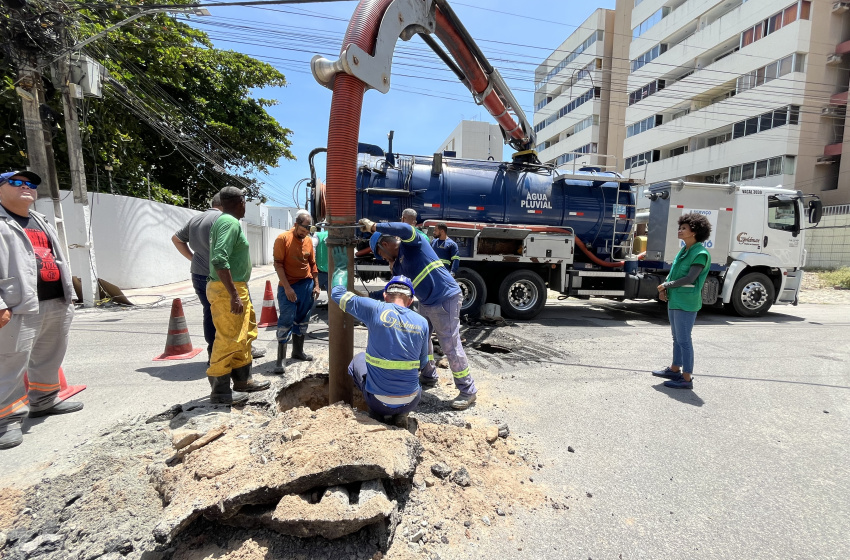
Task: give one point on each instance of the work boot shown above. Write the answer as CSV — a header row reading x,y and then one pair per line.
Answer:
x,y
463,401
428,381
64,407
222,394
11,438
298,349
280,363
242,380
401,420
257,352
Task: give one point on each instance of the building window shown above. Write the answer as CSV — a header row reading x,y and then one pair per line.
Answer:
x,y
644,26
766,121
577,153
763,168
596,36
643,126
642,159
592,93
798,10
678,151
776,69
647,90
649,56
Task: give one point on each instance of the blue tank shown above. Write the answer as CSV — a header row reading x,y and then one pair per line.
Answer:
x,y
497,193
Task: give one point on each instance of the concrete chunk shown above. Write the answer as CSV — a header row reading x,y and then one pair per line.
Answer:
x,y
338,446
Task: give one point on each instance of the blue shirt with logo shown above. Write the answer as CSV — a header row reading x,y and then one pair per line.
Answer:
x,y
417,260
398,343
447,251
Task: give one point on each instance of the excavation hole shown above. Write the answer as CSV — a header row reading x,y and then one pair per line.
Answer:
x,y
492,348
312,392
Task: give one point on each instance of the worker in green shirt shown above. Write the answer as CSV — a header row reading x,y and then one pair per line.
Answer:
x,y
320,248
230,304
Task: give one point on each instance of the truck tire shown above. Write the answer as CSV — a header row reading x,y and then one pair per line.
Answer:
x,y
522,295
474,291
752,295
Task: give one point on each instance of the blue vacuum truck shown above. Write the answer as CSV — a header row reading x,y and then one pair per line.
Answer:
x,y
525,230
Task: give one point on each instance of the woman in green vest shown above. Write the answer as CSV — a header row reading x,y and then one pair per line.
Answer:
x,y
683,292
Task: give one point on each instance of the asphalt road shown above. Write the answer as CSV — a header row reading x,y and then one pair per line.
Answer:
x,y
753,463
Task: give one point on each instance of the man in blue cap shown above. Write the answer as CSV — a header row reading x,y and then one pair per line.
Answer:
x,y
36,308
410,254
388,372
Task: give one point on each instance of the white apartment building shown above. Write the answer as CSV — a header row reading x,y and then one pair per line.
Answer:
x,y
475,140
748,91
572,96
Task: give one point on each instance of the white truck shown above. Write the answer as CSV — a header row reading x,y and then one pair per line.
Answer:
x,y
757,243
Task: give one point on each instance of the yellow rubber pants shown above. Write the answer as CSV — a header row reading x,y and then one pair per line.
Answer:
x,y
233,333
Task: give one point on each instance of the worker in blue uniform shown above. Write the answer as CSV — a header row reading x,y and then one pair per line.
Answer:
x,y
388,372
445,248
409,253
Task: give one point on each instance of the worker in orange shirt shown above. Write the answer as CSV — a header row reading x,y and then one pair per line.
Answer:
x,y
295,264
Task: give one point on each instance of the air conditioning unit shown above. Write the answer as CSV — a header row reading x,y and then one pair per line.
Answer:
x,y
833,59
831,111
840,7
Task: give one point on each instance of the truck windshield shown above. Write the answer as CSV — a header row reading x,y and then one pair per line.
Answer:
x,y
781,214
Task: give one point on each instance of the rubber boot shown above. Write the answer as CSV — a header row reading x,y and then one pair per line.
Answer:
x,y
298,349
280,363
242,380
222,394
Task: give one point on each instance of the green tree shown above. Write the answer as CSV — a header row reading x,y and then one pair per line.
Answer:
x,y
175,109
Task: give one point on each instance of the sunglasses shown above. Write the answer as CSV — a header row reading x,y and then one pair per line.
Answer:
x,y
20,183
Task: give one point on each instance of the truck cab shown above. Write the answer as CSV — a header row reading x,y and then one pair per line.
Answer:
x,y
756,245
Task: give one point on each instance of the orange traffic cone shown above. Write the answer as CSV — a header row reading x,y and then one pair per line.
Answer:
x,y
269,316
178,345
65,391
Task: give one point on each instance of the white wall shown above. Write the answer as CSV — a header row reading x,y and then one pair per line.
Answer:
x,y
132,239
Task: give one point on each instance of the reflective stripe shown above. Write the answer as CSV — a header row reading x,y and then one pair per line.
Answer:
x,y
14,407
45,387
430,357
412,237
396,401
460,374
391,364
434,265
455,257
344,300
445,262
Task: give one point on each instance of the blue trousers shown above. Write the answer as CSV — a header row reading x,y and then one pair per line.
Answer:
x,y
681,324
357,371
444,320
294,316
199,282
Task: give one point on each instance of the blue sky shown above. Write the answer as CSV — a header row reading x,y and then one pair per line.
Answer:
x,y
425,102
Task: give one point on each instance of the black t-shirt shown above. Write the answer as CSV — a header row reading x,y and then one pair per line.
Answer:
x,y
49,283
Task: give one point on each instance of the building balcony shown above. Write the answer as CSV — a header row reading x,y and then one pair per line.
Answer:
x,y
580,113
782,141
577,140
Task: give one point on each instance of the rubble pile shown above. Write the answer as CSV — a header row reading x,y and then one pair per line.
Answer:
x,y
302,473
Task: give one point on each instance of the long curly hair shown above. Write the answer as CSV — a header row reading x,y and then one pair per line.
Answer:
x,y
698,223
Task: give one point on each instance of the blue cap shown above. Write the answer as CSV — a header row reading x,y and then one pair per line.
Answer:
x,y
31,177
401,281
373,242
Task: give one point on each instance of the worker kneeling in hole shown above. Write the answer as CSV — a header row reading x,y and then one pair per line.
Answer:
x,y
388,372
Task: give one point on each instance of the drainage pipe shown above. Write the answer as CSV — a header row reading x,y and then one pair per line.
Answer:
x,y
343,133
580,244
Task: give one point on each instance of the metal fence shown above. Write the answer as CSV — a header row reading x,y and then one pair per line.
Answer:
x,y
828,245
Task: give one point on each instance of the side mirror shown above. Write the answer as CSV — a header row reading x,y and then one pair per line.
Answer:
x,y
815,211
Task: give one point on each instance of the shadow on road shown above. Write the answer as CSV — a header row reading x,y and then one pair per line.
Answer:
x,y
177,371
683,396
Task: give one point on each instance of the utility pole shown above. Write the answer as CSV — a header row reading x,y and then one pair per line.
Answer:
x,y
39,145
81,237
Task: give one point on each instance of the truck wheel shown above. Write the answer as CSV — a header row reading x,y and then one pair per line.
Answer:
x,y
752,295
474,291
522,295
